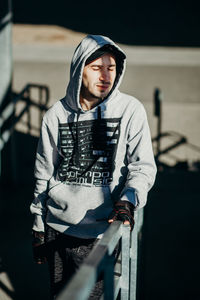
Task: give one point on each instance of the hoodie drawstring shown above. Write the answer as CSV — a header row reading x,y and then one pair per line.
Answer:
x,y
76,145
99,113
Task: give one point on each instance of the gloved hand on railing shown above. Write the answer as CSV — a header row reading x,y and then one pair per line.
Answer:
x,y
38,244
123,211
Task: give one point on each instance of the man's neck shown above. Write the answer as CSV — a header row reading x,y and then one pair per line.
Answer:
x,y
89,104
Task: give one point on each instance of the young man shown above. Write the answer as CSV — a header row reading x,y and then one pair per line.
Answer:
x,y
94,160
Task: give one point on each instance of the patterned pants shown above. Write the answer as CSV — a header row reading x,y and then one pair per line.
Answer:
x,y
64,255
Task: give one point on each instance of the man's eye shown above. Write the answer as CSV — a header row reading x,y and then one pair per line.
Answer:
x,y
95,68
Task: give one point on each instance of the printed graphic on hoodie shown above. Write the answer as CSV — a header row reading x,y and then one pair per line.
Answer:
x,y
89,149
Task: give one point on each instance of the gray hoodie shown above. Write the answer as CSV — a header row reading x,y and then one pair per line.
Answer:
x,y
87,160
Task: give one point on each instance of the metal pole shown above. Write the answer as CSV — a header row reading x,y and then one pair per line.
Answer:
x,y
158,113
125,255
109,279
133,260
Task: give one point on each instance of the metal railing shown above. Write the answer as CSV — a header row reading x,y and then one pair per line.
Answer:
x,y
119,277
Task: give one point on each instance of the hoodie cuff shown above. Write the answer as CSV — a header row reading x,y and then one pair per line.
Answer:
x,y
38,224
130,196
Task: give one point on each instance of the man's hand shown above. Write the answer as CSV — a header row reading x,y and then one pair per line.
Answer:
x,y
123,211
38,245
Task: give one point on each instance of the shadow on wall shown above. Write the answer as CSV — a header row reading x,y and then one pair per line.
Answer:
x,y
130,22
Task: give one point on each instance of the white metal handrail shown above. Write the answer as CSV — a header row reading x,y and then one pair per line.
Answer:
x,y
121,277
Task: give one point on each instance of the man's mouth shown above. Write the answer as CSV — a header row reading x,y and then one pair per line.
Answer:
x,y
103,86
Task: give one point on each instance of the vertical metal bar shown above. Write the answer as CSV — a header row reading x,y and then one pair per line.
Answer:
x,y
140,219
46,95
109,279
40,102
133,260
158,113
125,262
28,94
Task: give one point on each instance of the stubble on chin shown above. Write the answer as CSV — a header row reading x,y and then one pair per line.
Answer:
x,y
91,96
100,95
94,95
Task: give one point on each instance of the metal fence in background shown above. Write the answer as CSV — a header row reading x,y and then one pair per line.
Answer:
x,y
8,119
24,95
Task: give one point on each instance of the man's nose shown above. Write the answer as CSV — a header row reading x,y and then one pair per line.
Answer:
x,y
104,75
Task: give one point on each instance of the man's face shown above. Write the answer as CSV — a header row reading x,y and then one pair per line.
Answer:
x,y
99,77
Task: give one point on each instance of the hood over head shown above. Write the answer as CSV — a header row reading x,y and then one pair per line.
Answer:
x,y
91,48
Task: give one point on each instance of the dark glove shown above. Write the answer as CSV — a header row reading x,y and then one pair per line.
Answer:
x,y
123,211
38,244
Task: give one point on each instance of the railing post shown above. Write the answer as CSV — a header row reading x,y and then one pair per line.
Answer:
x,y
125,257
28,95
133,260
109,279
134,253
158,97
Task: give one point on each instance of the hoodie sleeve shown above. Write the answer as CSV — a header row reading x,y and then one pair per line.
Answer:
x,y
141,163
47,159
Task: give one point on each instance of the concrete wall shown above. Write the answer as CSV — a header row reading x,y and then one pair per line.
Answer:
x,y
175,71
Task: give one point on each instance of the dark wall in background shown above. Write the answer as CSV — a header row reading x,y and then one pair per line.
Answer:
x,y
170,259
171,23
